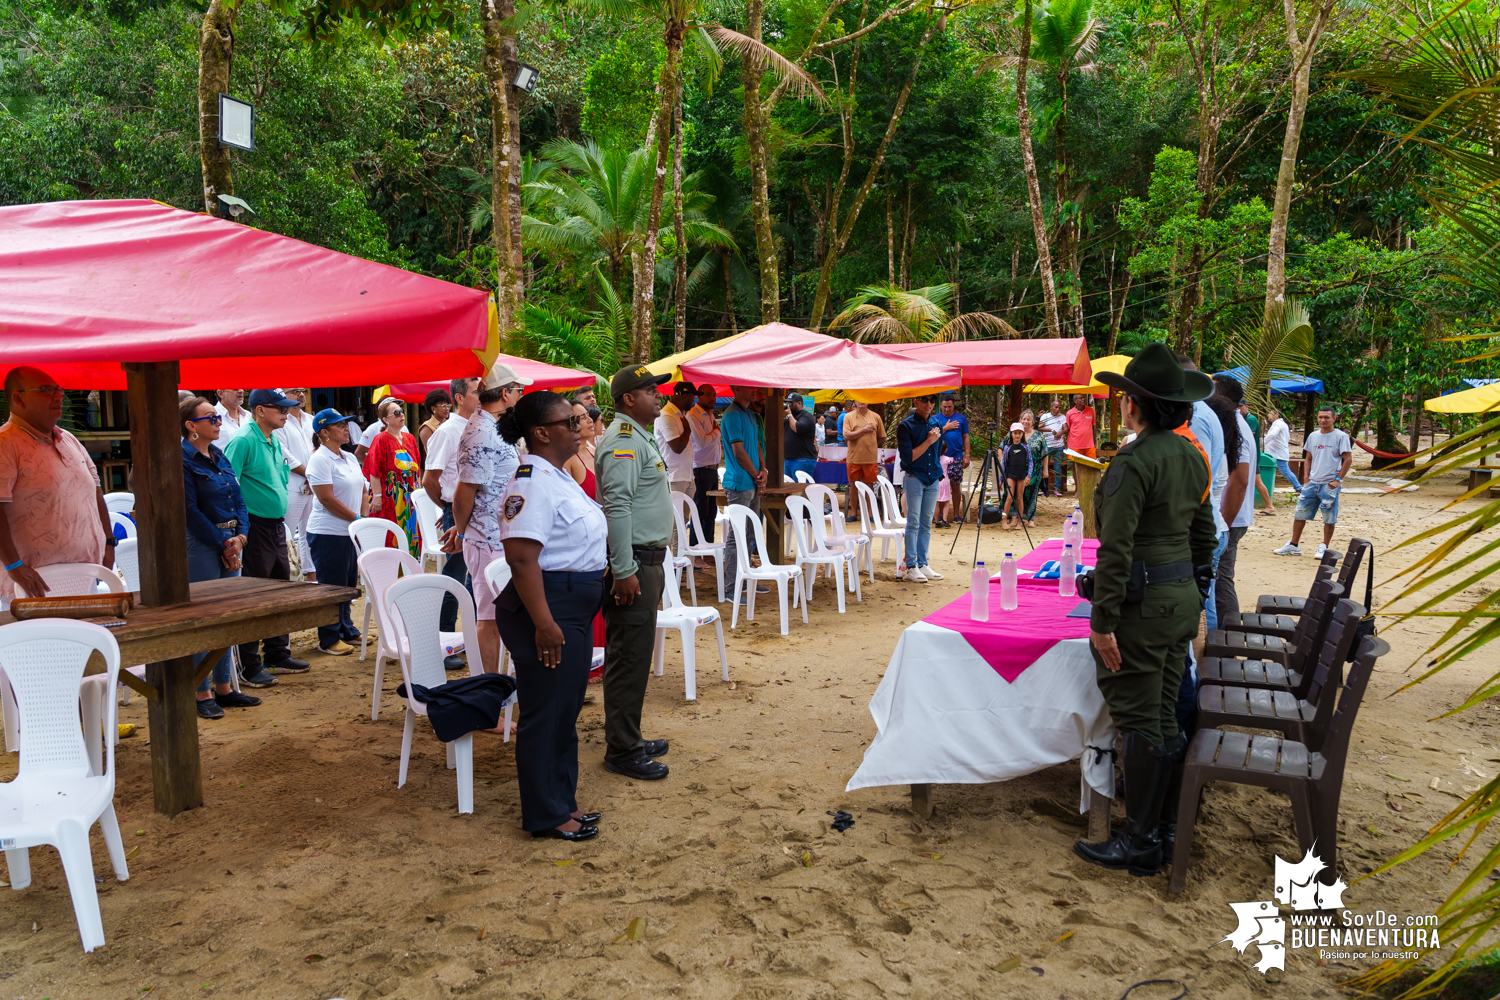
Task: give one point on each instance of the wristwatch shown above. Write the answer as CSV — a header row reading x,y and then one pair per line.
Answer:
x,y
111,540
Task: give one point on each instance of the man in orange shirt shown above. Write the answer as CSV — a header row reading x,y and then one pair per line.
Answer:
x,y
1081,427
863,432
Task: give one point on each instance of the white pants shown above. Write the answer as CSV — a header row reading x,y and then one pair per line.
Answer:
x,y
299,507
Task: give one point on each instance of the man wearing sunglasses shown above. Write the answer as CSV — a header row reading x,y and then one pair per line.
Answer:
x,y
51,506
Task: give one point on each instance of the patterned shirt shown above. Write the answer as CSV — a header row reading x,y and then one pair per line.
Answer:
x,y
486,460
50,489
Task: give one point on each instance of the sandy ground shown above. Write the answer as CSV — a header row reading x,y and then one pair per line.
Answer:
x,y
309,875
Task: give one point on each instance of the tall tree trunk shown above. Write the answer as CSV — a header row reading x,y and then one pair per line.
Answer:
x,y
760,157
840,238
734,326
511,63
1302,56
215,61
679,326
890,242
1116,308
908,234
645,273
1010,290
1065,245
1033,187
503,152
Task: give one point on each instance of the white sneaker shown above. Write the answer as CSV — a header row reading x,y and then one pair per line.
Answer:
x,y
929,572
1288,550
1321,549
914,575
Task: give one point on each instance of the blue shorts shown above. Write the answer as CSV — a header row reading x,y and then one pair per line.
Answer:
x,y
1314,496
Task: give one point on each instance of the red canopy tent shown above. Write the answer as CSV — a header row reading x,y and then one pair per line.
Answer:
x,y
542,375
1001,362
143,296
89,284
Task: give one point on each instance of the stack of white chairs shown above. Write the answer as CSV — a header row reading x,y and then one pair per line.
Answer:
x,y
497,575
871,526
369,534
685,514
413,606
428,516
813,551
835,534
747,526
674,614
66,779
119,503
891,507
379,570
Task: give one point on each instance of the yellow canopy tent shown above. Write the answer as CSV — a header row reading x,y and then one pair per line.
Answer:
x,y
1114,364
1480,400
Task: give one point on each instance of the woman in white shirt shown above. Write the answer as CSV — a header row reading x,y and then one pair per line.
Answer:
x,y
1278,444
340,496
554,538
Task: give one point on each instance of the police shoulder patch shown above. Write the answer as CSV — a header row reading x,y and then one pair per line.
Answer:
x,y
1114,477
524,472
513,505
624,429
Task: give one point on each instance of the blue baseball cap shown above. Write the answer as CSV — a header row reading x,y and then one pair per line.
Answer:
x,y
269,397
327,418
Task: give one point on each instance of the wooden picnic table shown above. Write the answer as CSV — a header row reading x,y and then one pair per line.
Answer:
x,y
772,498
219,614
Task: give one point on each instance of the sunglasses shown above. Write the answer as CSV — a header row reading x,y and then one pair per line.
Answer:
x,y
572,422
213,418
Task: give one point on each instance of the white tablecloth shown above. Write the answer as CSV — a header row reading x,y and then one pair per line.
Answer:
x,y
945,717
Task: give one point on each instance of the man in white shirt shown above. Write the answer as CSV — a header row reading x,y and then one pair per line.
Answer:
x,y
672,433
366,438
1238,505
297,447
1055,436
439,478
707,451
1332,454
235,416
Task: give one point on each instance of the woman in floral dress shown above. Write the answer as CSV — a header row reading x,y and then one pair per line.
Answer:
x,y
393,470
1037,442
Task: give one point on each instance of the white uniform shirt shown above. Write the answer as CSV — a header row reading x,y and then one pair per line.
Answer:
x,y
442,454
296,447
669,424
1246,514
339,470
368,437
704,438
543,503
231,426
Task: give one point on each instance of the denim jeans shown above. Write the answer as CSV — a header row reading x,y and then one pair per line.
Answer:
x,y
1285,468
921,501
745,498
1209,608
204,564
1060,478
334,556
792,466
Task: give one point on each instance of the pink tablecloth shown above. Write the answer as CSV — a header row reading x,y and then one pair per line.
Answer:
x,y
1052,549
1011,641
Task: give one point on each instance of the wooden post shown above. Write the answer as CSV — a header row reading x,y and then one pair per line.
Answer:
x,y
1113,403
1017,386
775,466
921,801
161,525
1086,478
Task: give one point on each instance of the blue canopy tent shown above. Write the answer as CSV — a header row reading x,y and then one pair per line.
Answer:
x,y
1282,383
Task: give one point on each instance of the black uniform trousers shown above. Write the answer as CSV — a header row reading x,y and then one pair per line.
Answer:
x,y
705,478
551,698
265,556
629,644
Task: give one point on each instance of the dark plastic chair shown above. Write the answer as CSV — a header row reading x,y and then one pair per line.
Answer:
x,y
1305,720
1312,779
1292,673
1291,607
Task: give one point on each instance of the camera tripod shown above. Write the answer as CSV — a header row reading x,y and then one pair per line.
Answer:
x,y
990,464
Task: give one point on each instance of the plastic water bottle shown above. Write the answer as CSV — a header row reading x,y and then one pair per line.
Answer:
x,y
979,594
1008,601
1077,522
1067,580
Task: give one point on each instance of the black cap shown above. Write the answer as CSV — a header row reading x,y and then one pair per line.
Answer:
x,y
632,378
1156,372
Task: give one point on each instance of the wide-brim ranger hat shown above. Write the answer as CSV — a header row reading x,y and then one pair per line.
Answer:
x,y
1156,373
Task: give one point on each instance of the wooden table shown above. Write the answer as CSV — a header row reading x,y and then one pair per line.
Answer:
x,y
772,498
221,614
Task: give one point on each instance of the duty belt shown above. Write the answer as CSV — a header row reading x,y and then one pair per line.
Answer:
x,y
1141,575
649,555
229,524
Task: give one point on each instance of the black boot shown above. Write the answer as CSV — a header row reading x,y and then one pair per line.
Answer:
x,y
1136,849
1166,832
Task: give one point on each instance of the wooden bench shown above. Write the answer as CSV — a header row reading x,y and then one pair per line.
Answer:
x,y
1479,474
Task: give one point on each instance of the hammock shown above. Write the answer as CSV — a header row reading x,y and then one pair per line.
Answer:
x,y
1399,456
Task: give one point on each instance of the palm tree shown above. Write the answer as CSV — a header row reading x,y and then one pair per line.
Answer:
x,y
918,315
1281,342
596,342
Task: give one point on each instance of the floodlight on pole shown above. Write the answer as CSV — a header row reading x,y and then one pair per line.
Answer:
x,y
232,207
526,78
236,123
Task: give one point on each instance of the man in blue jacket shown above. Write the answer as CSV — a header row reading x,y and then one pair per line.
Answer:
x,y
919,442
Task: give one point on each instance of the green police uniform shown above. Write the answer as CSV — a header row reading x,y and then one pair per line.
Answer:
x,y
635,493
1152,508
1156,543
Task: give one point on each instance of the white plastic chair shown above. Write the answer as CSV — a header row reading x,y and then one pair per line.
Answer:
x,y
803,477
59,795
497,575
685,513
674,614
119,503
428,516
415,604
128,563
125,524
813,551
379,569
823,497
369,533
872,528
891,513
746,525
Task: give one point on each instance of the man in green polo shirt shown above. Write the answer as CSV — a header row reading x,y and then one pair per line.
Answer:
x,y
261,469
